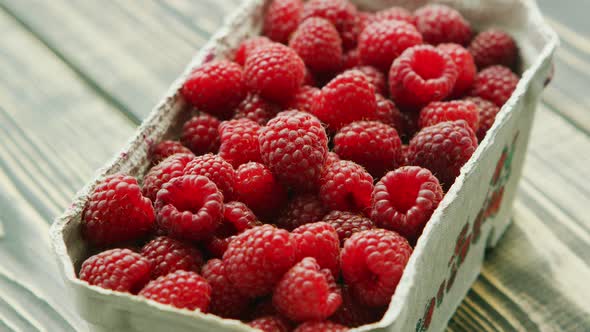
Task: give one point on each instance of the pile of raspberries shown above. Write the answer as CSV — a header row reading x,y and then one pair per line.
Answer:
x,y
315,157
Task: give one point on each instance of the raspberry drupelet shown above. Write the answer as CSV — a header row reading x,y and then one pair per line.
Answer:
x,y
181,289
404,200
121,270
167,255
116,212
200,134
346,186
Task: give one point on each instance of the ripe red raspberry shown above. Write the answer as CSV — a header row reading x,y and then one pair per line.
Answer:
x,y
200,134
225,299
352,313
294,146
248,45
331,158
282,18
389,114
181,289
348,97
395,13
301,210
320,241
237,217
342,13
307,293
189,207
465,67
270,324
404,200
442,24
258,188
371,144
304,99
215,169
257,109
495,83
121,270
453,140
347,223
351,59
168,169
487,115
318,44
420,75
375,77
346,186
321,326
441,111
256,259
165,149
215,87
168,255
372,264
381,42
493,47
274,71
239,141
116,211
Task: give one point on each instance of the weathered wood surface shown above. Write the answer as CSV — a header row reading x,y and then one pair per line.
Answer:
x,y
76,77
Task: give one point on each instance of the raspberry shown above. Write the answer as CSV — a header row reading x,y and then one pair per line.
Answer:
x,y
389,114
200,134
351,59
304,99
320,241
168,169
441,111
181,289
371,144
189,207
274,71
331,158
294,146
372,264
341,13
375,77
420,75
465,67
348,97
442,24
165,149
217,170
404,200
346,186
225,299
381,42
215,87
282,18
395,13
121,270
453,140
301,210
256,259
248,45
259,190
116,211
270,324
487,115
323,326
495,83
239,141
347,223
257,109
493,47
307,293
168,255
237,217
353,314
318,44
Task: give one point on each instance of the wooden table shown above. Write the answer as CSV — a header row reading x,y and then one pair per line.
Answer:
x,y
77,77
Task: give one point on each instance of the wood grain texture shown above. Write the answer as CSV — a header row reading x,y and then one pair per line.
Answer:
x,y
73,85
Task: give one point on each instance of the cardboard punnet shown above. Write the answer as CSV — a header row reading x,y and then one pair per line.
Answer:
x,y
448,256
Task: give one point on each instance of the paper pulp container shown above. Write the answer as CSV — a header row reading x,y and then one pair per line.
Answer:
x,y
448,256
